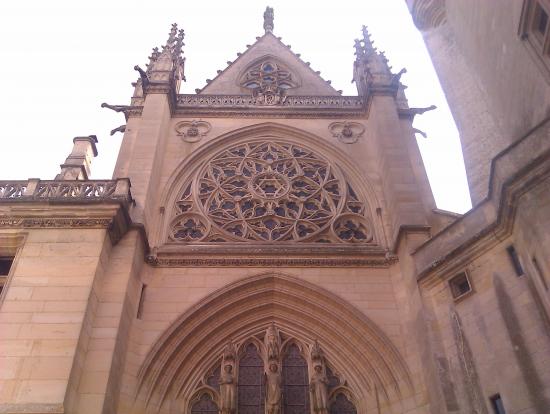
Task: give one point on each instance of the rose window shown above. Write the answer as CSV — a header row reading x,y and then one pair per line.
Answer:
x,y
270,191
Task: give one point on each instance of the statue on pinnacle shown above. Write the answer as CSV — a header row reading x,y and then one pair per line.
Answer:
x,y
268,19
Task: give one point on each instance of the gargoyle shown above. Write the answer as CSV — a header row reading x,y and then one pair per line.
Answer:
x,y
397,77
143,76
416,131
121,128
118,108
420,111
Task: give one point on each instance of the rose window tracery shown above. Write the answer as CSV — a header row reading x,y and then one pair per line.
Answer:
x,y
268,82
270,191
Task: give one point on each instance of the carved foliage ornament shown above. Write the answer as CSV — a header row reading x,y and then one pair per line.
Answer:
x,y
347,132
192,131
269,191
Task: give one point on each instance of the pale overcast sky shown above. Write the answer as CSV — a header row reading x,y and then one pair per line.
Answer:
x,y
61,59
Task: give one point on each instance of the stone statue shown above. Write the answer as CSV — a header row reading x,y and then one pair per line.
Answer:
x,y
272,343
268,19
229,352
273,390
318,388
228,390
317,352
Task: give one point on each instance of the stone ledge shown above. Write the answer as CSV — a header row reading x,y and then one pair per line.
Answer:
x,y
257,255
31,408
514,172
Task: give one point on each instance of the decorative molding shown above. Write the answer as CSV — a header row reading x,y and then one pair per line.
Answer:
x,y
192,131
160,261
244,101
111,198
289,107
347,132
65,190
55,222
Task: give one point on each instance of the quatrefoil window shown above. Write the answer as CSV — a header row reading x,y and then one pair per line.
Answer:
x,y
270,191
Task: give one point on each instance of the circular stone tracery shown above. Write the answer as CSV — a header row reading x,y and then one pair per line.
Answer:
x,y
269,191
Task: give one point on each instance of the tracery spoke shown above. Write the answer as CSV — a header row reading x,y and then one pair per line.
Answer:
x,y
274,191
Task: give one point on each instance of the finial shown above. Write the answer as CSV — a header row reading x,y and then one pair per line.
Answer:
x,y
268,19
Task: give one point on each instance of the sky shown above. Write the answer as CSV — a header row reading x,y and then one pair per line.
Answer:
x,y
63,58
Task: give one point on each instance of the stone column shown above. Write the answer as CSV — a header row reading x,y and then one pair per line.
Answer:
x,y
77,165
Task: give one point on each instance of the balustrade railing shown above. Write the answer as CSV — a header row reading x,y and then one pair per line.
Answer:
x,y
58,190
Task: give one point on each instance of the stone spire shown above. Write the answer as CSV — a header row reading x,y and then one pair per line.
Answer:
x,y
77,165
370,69
165,66
268,19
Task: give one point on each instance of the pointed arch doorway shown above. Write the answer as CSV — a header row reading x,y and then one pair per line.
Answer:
x,y
358,363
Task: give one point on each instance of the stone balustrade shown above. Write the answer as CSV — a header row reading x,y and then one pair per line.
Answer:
x,y
65,191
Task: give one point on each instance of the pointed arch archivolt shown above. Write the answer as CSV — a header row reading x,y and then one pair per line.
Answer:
x,y
343,192
354,345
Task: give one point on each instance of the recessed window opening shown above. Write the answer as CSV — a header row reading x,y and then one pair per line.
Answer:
x,y
540,21
515,260
496,403
141,300
460,285
5,265
534,30
539,272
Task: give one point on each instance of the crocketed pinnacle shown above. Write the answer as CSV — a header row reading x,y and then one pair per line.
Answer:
x,y
173,48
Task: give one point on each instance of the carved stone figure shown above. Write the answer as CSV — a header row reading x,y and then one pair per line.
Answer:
x,y
318,388
317,353
273,390
272,343
229,352
228,390
121,128
268,19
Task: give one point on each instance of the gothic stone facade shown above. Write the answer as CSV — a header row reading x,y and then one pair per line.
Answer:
x,y
280,251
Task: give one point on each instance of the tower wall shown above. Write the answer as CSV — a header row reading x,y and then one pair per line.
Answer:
x,y
496,90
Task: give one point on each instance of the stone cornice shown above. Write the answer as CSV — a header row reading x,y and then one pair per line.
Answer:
x,y
292,107
514,172
274,255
